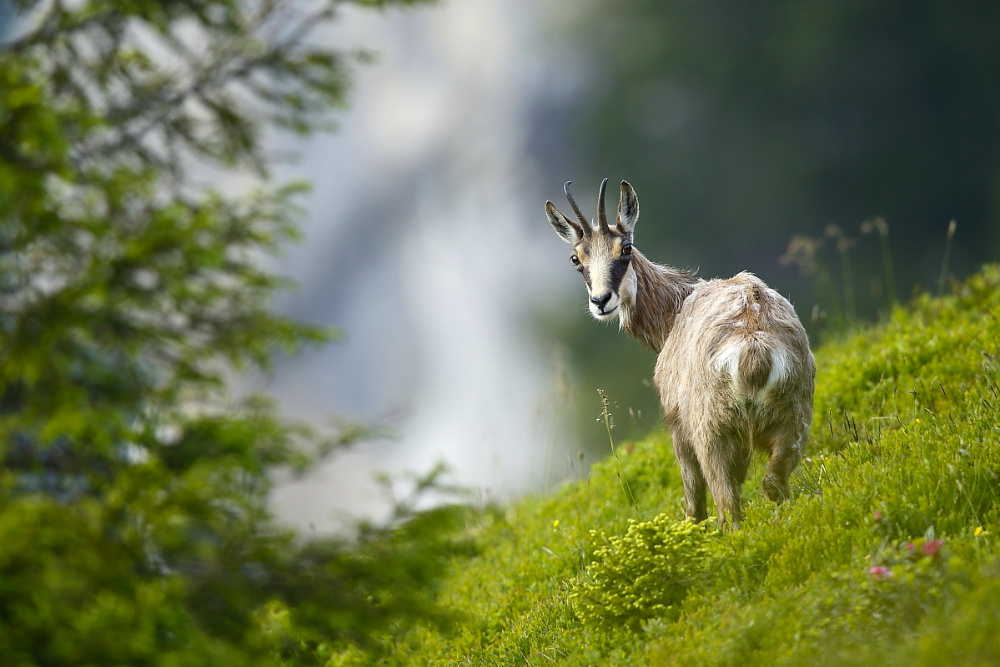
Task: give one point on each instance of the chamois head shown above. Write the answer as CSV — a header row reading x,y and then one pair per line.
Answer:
x,y
601,253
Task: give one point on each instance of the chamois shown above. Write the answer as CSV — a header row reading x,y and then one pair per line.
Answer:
x,y
734,370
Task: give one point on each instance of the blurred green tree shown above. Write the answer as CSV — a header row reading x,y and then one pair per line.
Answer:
x,y
133,520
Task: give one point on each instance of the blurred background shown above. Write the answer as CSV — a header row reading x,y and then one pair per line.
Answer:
x,y
825,146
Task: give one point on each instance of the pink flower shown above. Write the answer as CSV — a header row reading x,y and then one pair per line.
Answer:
x,y
878,516
879,572
910,546
932,547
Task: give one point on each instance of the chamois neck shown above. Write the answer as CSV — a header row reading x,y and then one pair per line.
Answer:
x,y
653,299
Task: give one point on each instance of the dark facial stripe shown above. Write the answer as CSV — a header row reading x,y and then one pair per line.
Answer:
x,y
618,269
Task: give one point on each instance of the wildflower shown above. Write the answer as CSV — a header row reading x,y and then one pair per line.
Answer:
x,y
879,572
909,546
932,547
878,516
979,531
555,524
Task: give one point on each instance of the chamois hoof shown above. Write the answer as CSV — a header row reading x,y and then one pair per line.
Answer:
x,y
774,488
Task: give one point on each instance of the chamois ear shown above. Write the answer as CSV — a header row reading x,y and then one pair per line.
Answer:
x,y
628,209
565,228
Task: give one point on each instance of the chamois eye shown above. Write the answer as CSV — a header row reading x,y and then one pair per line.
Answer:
x,y
626,251
575,260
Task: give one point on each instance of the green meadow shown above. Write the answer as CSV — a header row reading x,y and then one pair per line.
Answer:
x,y
885,554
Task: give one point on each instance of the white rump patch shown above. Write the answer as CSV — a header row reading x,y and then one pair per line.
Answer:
x,y
780,366
727,361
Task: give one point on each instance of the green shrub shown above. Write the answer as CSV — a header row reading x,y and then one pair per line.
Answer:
x,y
643,574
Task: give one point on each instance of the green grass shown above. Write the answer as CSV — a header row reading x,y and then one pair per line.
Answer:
x,y
902,475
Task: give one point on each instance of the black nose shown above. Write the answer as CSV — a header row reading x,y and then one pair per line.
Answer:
x,y
601,301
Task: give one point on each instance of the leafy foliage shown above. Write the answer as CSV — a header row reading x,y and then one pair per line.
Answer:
x,y
641,575
133,490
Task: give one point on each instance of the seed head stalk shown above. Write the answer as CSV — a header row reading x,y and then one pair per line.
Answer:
x,y
609,425
947,253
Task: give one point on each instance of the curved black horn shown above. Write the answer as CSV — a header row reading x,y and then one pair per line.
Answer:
x,y
576,209
602,215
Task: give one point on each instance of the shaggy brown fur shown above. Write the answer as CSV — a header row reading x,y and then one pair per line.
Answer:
x,y
734,371
662,291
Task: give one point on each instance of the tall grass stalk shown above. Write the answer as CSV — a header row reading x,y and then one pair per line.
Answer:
x,y
803,252
882,227
947,254
844,244
609,425
845,268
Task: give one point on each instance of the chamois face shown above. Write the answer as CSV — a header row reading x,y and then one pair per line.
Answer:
x,y
602,254
603,260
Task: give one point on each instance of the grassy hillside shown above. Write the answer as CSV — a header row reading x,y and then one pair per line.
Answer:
x,y
887,553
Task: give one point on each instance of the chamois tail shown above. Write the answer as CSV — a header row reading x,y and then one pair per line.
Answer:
x,y
754,358
755,365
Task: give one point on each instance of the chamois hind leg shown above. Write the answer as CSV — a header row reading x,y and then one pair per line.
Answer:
x,y
725,464
785,452
691,476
